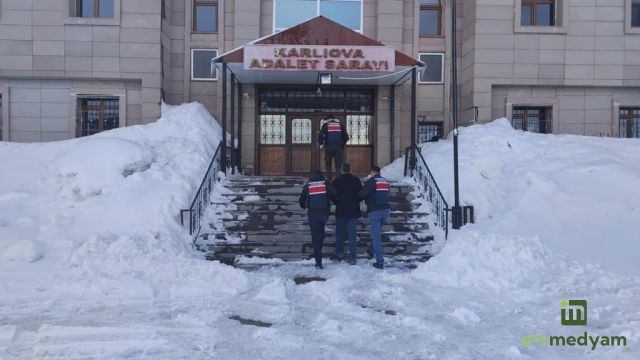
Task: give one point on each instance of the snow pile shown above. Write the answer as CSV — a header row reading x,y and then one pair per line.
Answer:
x,y
78,216
576,194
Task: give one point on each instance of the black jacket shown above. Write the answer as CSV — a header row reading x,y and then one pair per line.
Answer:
x,y
305,198
346,199
323,137
368,194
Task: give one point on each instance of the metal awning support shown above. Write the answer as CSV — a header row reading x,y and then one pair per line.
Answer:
x,y
233,124
239,150
223,149
414,125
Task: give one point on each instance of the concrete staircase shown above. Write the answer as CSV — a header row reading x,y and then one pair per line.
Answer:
x,y
262,218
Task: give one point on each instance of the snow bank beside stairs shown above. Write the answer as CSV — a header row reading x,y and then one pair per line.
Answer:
x,y
541,202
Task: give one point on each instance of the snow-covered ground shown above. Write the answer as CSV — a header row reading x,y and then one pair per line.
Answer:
x,y
94,263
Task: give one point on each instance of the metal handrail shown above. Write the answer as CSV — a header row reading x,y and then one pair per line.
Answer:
x,y
202,197
423,175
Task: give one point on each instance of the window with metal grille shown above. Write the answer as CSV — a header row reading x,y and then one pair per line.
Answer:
x,y
96,114
272,129
333,101
430,18
95,8
205,16
429,131
358,128
538,13
532,118
630,122
301,131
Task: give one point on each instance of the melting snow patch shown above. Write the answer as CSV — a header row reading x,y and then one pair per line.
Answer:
x,y
23,251
465,316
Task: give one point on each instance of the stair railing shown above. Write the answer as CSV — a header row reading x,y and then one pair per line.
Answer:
x,y
424,177
202,197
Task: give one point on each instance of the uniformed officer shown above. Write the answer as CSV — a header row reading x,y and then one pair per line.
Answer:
x,y
315,197
375,192
333,137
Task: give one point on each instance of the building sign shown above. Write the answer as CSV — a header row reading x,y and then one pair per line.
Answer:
x,y
319,58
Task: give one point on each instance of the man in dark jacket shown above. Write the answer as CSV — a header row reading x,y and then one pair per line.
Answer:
x,y
375,192
347,211
333,137
316,198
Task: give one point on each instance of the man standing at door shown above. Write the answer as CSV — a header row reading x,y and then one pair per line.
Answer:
x,y
316,198
375,192
333,137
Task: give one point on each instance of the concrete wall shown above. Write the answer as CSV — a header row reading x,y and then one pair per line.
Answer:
x,y
45,110
589,47
40,41
580,110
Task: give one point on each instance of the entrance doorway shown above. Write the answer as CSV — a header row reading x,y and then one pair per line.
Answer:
x,y
290,122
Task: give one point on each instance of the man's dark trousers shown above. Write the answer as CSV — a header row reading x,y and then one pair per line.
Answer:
x,y
346,226
317,224
329,154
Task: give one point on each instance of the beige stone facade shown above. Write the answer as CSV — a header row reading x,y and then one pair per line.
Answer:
x,y
584,68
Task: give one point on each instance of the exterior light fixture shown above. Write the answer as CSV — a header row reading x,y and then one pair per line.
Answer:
x,y
326,79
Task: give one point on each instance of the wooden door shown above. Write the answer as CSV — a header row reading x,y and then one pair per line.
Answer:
x,y
301,145
358,151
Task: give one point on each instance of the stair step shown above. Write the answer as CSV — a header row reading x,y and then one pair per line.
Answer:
x,y
299,237
284,206
261,217
302,226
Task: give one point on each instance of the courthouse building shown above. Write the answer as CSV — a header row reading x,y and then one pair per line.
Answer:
x,y
71,68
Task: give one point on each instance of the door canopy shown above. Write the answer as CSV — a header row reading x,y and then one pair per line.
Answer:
x,y
298,55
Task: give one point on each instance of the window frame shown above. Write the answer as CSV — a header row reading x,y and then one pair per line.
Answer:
x,y
80,109
431,7
361,30
194,16
628,26
441,69
193,50
72,19
548,113
561,19
629,120
423,122
96,10
534,9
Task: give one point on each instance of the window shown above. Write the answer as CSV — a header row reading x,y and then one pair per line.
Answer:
x,y
433,73
202,66
205,16
429,131
532,118
96,114
292,12
430,18
538,13
635,13
95,9
358,127
272,130
630,122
